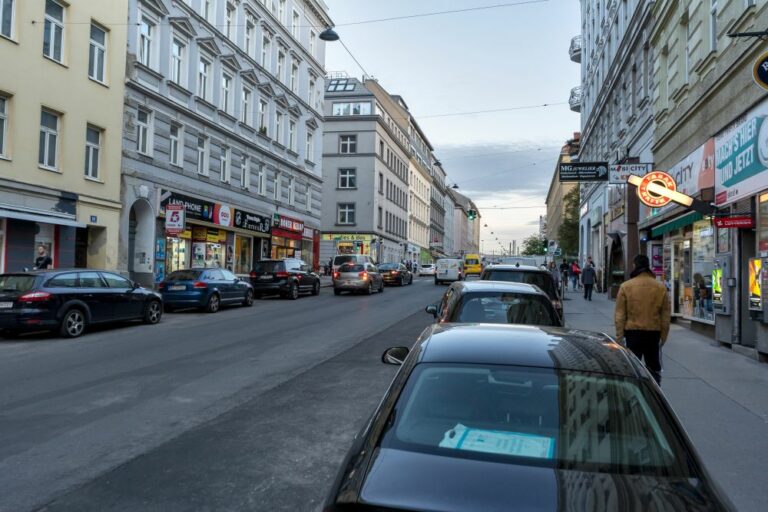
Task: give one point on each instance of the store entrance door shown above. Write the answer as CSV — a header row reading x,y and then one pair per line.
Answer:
x,y
746,251
678,265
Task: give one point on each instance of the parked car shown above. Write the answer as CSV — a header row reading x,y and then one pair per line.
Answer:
x,y
536,276
395,273
449,270
206,288
69,301
495,303
287,277
341,259
428,269
472,264
357,277
501,417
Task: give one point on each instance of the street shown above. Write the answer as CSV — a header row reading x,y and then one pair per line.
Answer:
x,y
253,409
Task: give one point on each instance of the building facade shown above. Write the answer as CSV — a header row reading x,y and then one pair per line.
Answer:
x,y
558,190
60,120
438,221
449,206
421,189
222,116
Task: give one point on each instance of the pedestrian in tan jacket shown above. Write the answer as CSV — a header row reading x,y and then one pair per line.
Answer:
x,y
642,315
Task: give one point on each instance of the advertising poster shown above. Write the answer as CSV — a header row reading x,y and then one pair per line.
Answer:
x,y
657,259
741,157
717,285
755,283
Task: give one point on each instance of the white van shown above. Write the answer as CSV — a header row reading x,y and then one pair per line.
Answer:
x,y
448,270
357,259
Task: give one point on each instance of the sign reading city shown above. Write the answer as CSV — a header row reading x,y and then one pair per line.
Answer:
x,y
174,219
760,71
584,171
620,173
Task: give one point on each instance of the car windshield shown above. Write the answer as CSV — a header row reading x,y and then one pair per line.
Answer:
x,y
537,416
266,267
351,268
16,283
541,279
184,275
426,266
505,308
472,261
340,260
389,266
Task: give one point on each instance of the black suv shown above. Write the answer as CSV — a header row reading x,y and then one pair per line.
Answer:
x,y
526,274
287,277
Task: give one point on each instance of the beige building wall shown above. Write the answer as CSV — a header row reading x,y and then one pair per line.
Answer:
x,y
31,82
555,198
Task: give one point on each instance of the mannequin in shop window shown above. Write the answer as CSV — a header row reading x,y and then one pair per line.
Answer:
x,y
43,261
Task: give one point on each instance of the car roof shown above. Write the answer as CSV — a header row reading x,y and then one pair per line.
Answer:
x,y
516,268
498,286
525,345
45,271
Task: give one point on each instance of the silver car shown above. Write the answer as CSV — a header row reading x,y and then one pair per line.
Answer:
x,y
354,277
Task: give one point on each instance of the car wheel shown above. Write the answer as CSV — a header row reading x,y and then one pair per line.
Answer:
x,y
381,287
248,302
73,324
153,313
293,292
316,288
336,292
214,303
402,281
369,290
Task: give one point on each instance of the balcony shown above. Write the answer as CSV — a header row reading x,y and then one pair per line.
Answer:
x,y
575,49
575,100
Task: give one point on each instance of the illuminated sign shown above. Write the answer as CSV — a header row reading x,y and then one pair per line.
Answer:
x,y
657,189
760,71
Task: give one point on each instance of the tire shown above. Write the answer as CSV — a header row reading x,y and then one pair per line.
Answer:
x,y
73,323
214,303
153,313
369,290
336,292
248,302
402,281
381,287
293,292
316,288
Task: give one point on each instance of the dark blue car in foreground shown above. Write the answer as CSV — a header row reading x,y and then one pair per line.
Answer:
x,y
207,288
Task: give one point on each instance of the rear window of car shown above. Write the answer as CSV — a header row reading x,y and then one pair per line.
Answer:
x,y
472,261
184,275
427,266
505,308
63,281
389,266
340,260
16,283
266,267
537,416
349,267
541,279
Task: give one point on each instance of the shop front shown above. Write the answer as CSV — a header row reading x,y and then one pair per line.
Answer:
x,y
310,247
287,237
348,243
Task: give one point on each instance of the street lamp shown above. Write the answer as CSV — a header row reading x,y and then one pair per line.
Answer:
x,y
329,35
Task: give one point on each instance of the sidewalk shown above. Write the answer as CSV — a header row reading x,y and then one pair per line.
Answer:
x,y
719,395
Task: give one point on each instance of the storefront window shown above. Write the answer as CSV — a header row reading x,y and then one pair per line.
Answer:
x,y
284,247
243,254
177,254
702,264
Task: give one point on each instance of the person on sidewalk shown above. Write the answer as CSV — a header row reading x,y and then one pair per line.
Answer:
x,y
642,315
588,276
575,275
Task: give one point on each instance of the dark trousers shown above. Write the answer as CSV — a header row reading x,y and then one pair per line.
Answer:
x,y
645,345
588,291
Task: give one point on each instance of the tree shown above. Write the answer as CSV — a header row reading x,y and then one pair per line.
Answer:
x,y
568,234
533,245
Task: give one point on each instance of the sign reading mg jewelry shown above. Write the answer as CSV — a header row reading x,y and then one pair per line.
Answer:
x,y
652,180
584,171
760,71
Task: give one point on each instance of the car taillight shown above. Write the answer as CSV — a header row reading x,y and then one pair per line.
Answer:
x,y
282,274
35,297
335,275
161,286
394,272
253,274
199,284
363,275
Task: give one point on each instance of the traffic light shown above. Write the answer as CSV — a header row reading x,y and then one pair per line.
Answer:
x,y
471,214
546,246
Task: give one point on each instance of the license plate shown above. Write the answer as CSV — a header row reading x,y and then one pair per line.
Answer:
x,y
177,287
265,278
6,305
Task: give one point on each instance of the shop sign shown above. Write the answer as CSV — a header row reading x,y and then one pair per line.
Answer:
x,y
742,157
199,234
343,237
655,179
735,221
174,219
252,221
222,215
288,223
584,171
620,173
760,71
198,209
308,233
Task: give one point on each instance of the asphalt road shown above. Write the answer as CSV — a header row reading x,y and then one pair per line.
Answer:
x,y
247,409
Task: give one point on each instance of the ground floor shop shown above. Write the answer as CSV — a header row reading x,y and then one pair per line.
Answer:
x,y
291,238
380,249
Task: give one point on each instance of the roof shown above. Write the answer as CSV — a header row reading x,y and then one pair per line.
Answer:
x,y
525,345
516,268
498,286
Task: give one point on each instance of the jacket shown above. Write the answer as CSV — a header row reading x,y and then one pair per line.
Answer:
x,y
642,305
588,275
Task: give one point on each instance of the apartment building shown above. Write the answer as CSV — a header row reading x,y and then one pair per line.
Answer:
x,y
61,93
438,214
558,190
222,115
420,167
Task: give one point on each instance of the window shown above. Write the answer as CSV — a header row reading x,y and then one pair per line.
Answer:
x,y
292,135
261,183
229,21
209,10
177,145
308,198
280,66
295,25
225,164
310,150
226,90
204,78
346,213
713,25
278,187
381,183
178,51
263,117
291,191
352,109
115,281
245,173
311,93
144,132
3,125
281,11
340,84
686,48
245,106
97,53
53,35
92,152
294,77
202,155
381,214
347,178
312,42
146,34
91,280
265,47
49,137
6,18
250,32
279,128
347,144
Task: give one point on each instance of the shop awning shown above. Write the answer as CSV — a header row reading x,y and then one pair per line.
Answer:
x,y
44,219
672,225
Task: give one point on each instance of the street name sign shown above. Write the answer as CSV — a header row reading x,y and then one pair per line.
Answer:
x,y
584,171
620,173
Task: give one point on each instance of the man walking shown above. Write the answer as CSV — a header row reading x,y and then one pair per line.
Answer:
x,y
642,315
588,276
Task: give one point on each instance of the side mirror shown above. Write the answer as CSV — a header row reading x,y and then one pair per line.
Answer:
x,y
432,310
135,285
395,355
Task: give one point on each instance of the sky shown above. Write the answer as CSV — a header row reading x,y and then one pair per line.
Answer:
x,y
499,58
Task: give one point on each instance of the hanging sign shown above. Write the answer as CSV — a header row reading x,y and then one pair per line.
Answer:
x,y
760,71
174,219
656,189
620,173
584,171
735,221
